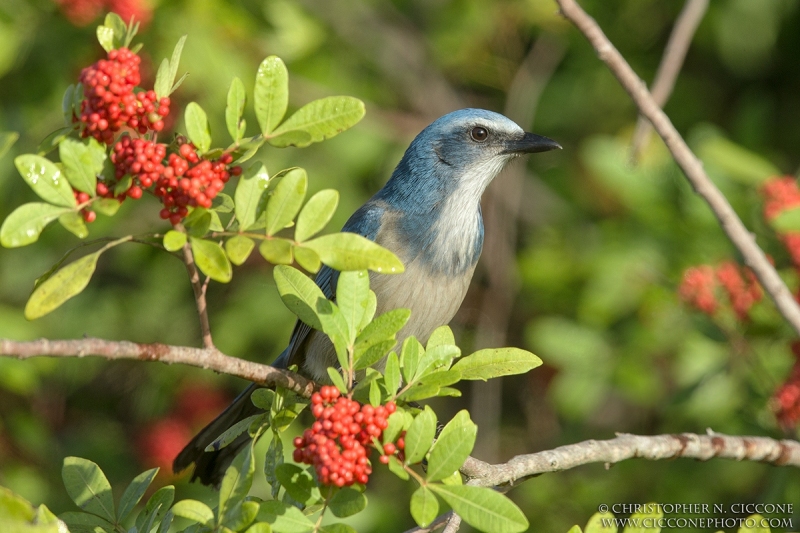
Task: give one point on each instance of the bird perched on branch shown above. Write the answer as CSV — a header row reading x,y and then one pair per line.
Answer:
x,y
429,215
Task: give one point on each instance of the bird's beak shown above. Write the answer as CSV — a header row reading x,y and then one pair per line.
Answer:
x,y
530,143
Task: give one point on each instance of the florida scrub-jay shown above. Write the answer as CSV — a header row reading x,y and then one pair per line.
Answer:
x,y
429,215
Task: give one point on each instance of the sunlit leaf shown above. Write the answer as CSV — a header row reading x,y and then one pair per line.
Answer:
x,y
276,250
452,447
248,195
496,362
349,251
239,248
316,214
419,436
61,286
82,163
271,93
284,518
483,508
299,294
194,511
286,200
211,259
347,502
424,506
174,240
237,98
46,179
320,119
24,225
307,258
352,297
197,126
74,223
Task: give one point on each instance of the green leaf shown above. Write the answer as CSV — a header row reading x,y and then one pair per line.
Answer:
x,y
237,98
105,36
211,260
106,206
307,258
298,483
162,84
419,436
296,138
52,141
436,358
758,525
441,378
396,468
239,248
24,225
350,251
335,327
337,379
372,306
259,527
284,518
601,523
14,507
263,398
85,522
286,200
276,250
409,358
646,520
271,93
391,374
223,203
442,335
82,163
156,507
195,511
316,214
272,461
320,119
74,223
7,140
495,362
239,516
134,492
373,354
231,434
60,287
88,487
46,179
419,392
197,126
352,295
250,190
337,528
424,506
397,422
787,220
173,64
236,483
123,185
453,446
174,240
347,502
483,508
299,294
198,222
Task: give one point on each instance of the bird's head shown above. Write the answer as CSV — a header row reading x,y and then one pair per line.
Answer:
x,y
463,151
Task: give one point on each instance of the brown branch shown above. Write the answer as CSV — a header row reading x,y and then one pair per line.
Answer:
x,y
438,522
199,288
209,358
692,167
688,445
670,66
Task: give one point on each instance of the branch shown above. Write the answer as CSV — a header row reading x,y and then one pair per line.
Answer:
x,y
209,358
670,66
688,445
199,289
692,167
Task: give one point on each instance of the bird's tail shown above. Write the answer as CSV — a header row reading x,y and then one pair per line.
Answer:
x,y
210,466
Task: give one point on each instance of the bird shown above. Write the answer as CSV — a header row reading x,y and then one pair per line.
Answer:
x,y
429,215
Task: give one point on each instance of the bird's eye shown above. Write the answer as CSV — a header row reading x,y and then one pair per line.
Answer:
x,y
479,134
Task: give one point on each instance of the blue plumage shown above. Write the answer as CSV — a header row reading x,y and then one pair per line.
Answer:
x,y
428,214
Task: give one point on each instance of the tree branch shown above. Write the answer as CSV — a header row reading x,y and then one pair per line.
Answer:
x,y
692,167
209,358
670,66
199,289
689,445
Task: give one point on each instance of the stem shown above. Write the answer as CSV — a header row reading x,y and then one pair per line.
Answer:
x,y
199,289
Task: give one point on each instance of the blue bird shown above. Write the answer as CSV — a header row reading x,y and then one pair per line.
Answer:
x,y
429,215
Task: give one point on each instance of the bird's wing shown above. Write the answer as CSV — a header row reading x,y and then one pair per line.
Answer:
x,y
365,222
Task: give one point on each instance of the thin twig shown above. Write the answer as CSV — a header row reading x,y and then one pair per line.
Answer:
x,y
437,523
670,66
453,523
199,288
209,358
624,446
692,167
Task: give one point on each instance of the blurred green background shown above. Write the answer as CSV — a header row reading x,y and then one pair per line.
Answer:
x,y
583,256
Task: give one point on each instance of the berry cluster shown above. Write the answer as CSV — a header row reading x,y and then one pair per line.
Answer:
x,y
700,283
110,103
139,158
87,214
337,442
188,180
786,400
